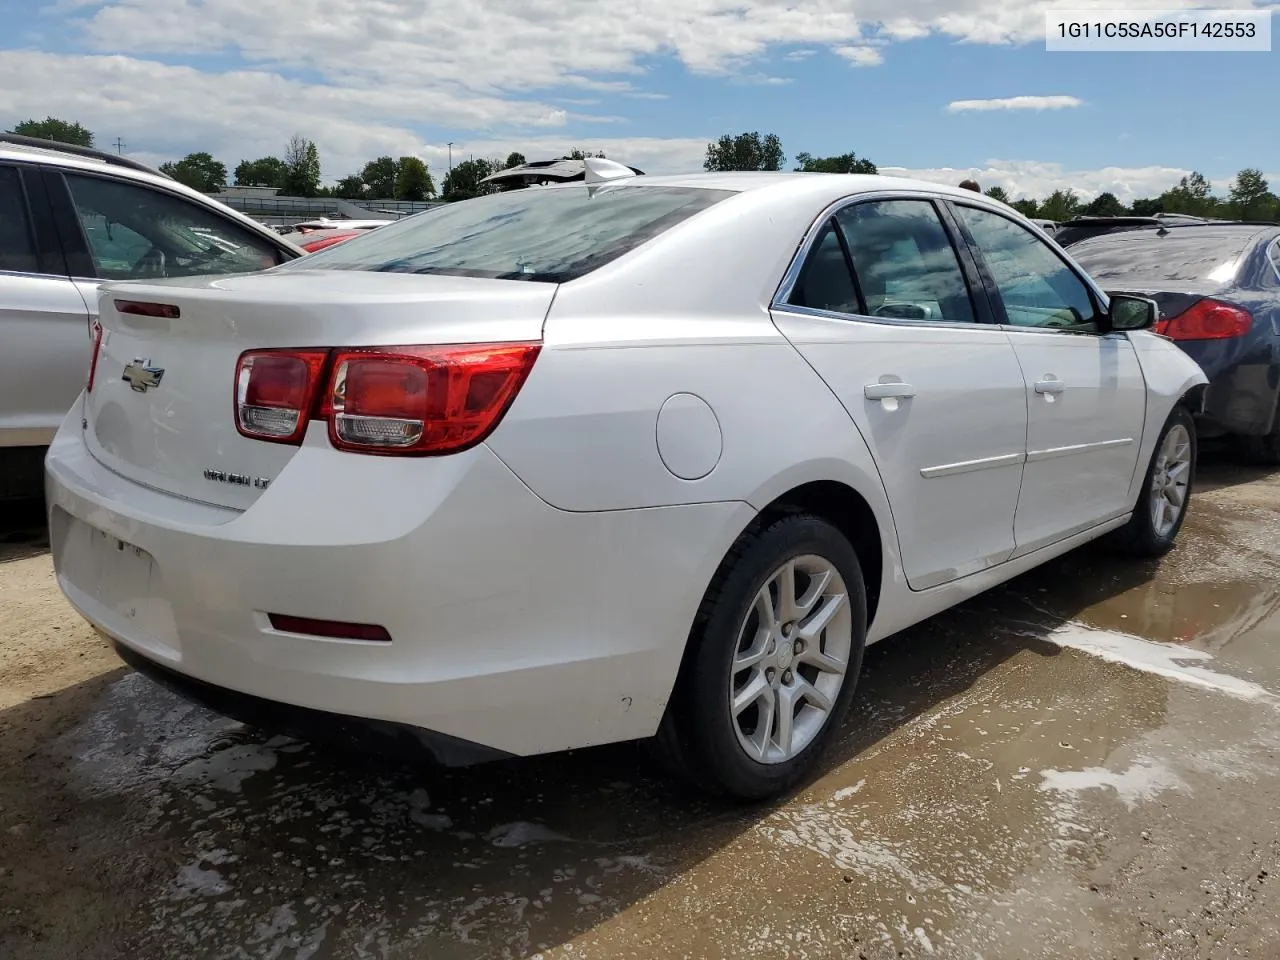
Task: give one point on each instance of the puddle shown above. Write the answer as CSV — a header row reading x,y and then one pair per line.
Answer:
x,y
1207,616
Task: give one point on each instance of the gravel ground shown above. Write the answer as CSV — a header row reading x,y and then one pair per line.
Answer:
x,y
1081,763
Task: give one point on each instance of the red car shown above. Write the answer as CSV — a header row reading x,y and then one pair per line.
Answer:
x,y
319,239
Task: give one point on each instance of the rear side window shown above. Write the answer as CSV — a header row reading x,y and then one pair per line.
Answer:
x,y
904,261
1185,254
825,282
17,246
1273,254
548,234
136,233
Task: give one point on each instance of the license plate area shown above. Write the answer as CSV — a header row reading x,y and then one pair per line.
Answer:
x,y
122,585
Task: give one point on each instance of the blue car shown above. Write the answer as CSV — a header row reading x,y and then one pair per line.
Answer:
x,y
1218,287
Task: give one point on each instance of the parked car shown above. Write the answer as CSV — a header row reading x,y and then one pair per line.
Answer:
x,y
1082,228
537,173
313,240
636,457
70,218
1218,287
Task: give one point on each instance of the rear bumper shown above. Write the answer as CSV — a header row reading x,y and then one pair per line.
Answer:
x,y
1244,385
309,724
515,626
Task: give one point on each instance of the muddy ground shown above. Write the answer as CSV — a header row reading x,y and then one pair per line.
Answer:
x,y
1080,764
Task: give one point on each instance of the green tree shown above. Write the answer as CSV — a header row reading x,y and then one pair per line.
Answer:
x,y
1251,197
1104,205
199,171
998,193
351,188
380,176
463,181
51,128
1147,206
413,180
844,163
1193,195
302,167
514,159
263,172
1028,208
745,151
579,154
1060,205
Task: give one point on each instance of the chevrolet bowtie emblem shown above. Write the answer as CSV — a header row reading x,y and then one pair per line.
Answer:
x,y
142,376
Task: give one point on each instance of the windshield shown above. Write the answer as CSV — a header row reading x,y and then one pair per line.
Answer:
x,y
1191,257
548,234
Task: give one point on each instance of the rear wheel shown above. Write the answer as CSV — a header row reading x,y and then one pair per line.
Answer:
x,y
1166,491
774,659
1264,450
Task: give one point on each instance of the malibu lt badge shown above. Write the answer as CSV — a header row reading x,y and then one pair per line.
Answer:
x,y
236,479
141,376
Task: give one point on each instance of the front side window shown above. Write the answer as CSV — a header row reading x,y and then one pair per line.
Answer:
x,y
547,234
1036,285
904,261
137,233
17,244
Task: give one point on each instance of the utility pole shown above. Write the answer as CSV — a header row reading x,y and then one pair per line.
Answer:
x,y
119,145
450,156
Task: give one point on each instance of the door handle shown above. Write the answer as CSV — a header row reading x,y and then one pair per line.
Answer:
x,y
889,391
1050,385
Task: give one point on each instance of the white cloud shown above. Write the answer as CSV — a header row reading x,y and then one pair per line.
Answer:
x,y
861,56
1031,178
1015,103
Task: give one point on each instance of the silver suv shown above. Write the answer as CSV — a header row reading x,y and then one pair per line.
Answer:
x,y
70,218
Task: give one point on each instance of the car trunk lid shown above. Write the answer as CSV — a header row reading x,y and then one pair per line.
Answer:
x,y
162,409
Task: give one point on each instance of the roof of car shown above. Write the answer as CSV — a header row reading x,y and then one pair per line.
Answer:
x,y
1213,230
810,187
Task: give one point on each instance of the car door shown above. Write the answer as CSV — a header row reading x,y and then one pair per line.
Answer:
x,y
1086,396
881,308
44,352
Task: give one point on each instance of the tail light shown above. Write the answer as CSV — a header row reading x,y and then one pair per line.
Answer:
x,y
423,400
1207,319
276,392
96,330
407,401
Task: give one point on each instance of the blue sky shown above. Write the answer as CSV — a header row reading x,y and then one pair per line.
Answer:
x,y
649,81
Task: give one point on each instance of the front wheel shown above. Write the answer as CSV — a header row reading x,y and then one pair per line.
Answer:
x,y
1166,490
775,656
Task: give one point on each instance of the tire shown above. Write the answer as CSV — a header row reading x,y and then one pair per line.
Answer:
x,y
21,473
1142,536
739,756
1263,451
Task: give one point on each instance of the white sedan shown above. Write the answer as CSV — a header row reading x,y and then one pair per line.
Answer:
x,y
636,457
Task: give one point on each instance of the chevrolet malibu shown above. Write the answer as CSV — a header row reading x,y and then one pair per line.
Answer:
x,y
635,457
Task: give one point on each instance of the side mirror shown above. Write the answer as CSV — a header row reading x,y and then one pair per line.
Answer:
x,y
1132,313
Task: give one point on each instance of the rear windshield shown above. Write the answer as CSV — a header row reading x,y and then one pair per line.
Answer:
x,y
1193,256
548,234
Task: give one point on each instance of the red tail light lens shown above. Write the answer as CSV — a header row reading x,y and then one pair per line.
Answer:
x,y
1207,319
423,401
96,329
143,309
276,392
